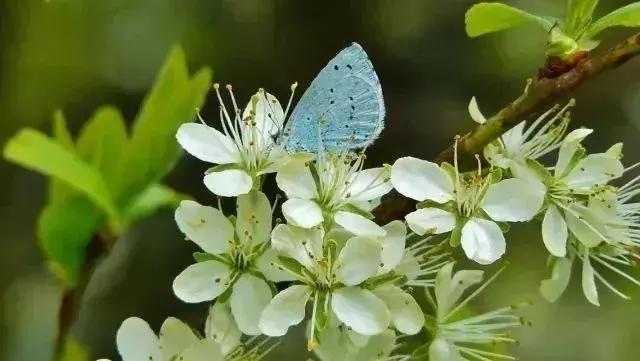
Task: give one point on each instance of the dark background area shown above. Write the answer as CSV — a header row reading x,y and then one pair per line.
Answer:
x,y
78,55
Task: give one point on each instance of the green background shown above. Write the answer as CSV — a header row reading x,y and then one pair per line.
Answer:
x,y
77,55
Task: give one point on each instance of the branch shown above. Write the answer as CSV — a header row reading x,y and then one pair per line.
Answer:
x,y
541,92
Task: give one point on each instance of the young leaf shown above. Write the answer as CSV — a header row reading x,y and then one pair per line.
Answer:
x,y
153,150
486,18
628,16
36,151
579,13
150,200
102,142
59,191
64,230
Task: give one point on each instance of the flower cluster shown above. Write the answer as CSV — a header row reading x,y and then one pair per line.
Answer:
x,y
330,264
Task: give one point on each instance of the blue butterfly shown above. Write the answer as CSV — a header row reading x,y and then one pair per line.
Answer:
x,y
342,110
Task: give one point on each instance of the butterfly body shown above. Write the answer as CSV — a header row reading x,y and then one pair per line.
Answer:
x,y
342,110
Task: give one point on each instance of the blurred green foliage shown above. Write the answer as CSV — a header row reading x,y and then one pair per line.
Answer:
x,y
106,180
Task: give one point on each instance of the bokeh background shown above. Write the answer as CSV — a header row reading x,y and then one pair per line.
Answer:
x,y
77,55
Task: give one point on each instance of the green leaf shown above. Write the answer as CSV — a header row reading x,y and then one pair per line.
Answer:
x,y
484,18
34,150
59,191
560,44
150,200
153,149
64,230
579,14
628,16
102,142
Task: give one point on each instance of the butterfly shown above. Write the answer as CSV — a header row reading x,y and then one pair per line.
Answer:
x,y
342,110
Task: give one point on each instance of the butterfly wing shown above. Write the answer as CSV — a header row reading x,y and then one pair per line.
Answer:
x,y
342,109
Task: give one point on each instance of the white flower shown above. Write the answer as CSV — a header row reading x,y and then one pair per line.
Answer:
x,y
338,277
461,203
457,338
136,342
332,186
542,137
233,256
244,151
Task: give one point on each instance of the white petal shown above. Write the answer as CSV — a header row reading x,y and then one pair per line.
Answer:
x,y
552,288
361,310
568,149
369,184
298,243
514,200
588,281
267,113
228,183
482,241
175,337
594,169
409,266
475,113
202,281
586,228
358,260
358,224
302,212
449,287
512,139
378,347
203,350
253,222
221,327
392,245
406,315
294,178
136,340
431,221
207,144
278,157
554,232
205,226
249,298
265,264
441,350
421,180
285,309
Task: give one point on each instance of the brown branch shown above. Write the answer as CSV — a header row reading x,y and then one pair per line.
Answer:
x,y
540,92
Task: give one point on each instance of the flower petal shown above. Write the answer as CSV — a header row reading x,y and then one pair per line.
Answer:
x,y
265,264
588,281
358,224
253,222
205,226
295,180
449,287
207,144
555,232
482,241
594,169
441,350
552,288
514,200
228,183
512,139
202,281
475,113
202,350
175,337
568,148
136,340
249,298
285,309
358,260
361,310
392,245
302,212
406,315
221,327
266,111
369,184
431,221
298,243
421,180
